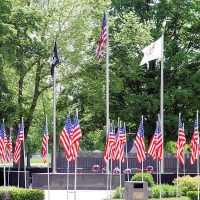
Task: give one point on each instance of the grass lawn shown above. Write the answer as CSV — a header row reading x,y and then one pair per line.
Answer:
x,y
174,198
38,162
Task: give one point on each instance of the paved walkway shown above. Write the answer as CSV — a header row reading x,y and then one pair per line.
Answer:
x,y
80,195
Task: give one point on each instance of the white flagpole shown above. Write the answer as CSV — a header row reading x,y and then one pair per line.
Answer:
x,y
142,160
126,155
177,158
18,174
198,151
54,122
4,161
9,159
47,141
67,179
107,94
162,100
24,154
75,179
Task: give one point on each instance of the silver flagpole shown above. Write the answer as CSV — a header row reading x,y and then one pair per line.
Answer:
x,y
75,179
24,154
107,94
126,155
54,122
160,161
47,141
120,166
177,158
4,161
18,174
142,160
9,160
198,151
184,154
162,100
67,179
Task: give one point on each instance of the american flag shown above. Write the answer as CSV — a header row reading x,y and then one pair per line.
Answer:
x,y
65,138
45,143
110,145
121,139
159,143
2,141
152,146
139,143
9,148
194,143
103,37
181,142
77,135
20,139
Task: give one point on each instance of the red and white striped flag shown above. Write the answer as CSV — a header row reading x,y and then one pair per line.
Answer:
x,y
20,139
194,143
65,138
45,143
2,141
9,148
103,37
152,146
159,143
139,143
181,142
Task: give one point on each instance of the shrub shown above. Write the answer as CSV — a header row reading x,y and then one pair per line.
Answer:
x,y
187,183
166,191
13,193
117,193
193,195
146,177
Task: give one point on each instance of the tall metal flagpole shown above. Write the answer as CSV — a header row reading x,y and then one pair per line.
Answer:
x,y
142,160
47,142
198,151
24,154
184,155
126,154
54,122
107,94
9,158
177,158
162,100
160,167
4,160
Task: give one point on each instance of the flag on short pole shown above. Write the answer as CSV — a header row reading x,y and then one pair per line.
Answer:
x,y
20,139
75,135
9,148
45,143
159,143
55,58
2,141
65,138
103,37
139,143
181,142
119,154
152,51
194,143
152,146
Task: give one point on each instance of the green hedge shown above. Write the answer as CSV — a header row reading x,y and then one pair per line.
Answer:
x,y
193,195
12,193
146,177
167,191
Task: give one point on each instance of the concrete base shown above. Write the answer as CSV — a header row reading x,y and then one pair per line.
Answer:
x,y
58,181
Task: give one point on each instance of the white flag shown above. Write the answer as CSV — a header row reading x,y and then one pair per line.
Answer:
x,y
153,51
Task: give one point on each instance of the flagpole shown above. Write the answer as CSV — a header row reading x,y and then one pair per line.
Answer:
x,y
47,142
126,154
9,158
111,156
142,159
18,173
67,179
184,155
162,100
24,154
4,160
107,92
197,151
177,158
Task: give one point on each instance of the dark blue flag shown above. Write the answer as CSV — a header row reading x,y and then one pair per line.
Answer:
x,y
55,58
